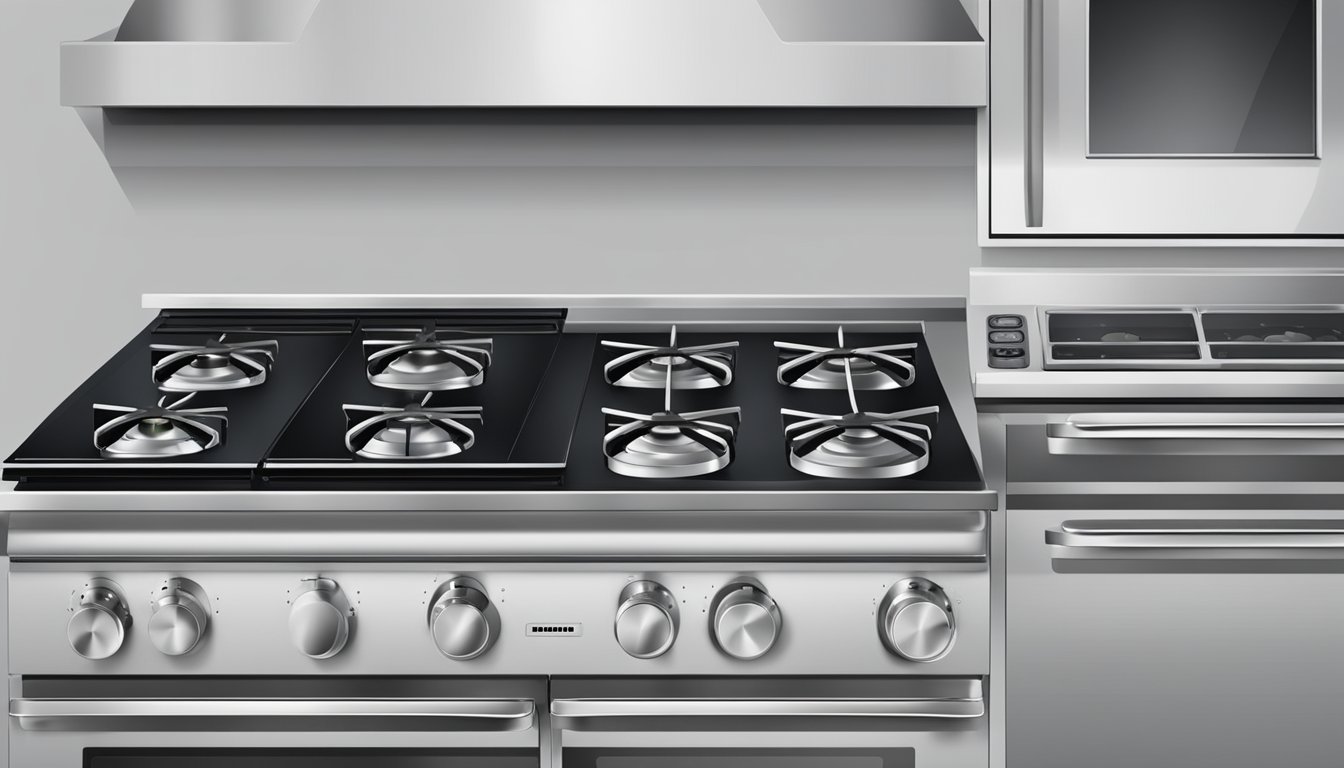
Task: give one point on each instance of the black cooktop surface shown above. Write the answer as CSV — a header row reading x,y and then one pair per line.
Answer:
x,y
541,404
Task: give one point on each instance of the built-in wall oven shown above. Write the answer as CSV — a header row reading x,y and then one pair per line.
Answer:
x,y
1175,588
1183,120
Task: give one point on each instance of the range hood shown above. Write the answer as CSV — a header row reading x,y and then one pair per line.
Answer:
x,y
532,53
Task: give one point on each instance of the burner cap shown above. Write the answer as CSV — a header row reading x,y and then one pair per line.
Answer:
x,y
415,432
158,432
668,445
212,366
427,364
860,446
706,366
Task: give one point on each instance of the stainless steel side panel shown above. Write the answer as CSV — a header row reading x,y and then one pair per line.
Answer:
x,y
1177,651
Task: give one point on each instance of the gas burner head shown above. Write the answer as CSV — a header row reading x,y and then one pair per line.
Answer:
x,y
425,363
808,367
860,446
412,432
213,366
668,445
701,367
160,432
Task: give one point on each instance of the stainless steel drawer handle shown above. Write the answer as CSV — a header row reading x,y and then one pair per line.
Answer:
x,y
933,708
1198,433
1132,535
228,714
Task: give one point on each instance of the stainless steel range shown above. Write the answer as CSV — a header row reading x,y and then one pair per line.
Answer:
x,y
388,531
1167,570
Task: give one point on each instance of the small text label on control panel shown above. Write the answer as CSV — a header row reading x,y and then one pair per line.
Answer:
x,y
554,630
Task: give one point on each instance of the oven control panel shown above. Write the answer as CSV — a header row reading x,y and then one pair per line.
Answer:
x,y
515,620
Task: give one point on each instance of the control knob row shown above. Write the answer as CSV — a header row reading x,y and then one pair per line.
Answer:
x,y
179,616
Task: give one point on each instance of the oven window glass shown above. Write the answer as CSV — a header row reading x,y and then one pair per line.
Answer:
x,y
1202,77
739,758
310,758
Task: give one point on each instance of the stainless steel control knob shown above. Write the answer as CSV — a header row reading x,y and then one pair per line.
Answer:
x,y
99,619
319,619
462,620
915,621
646,619
179,615
746,621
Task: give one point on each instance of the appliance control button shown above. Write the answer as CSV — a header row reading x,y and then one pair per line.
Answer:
x,y
1005,321
1006,337
179,615
915,621
319,619
1005,362
1008,352
646,619
97,626
462,620
746,621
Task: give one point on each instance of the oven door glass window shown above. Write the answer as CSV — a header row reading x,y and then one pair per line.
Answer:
x,y
1217,78
740,758
310,758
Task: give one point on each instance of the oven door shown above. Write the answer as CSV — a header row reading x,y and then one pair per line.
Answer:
x,y
1178,637
775,723
1179,119
270,723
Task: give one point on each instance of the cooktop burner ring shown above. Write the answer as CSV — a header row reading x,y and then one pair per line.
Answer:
x,y
213,366
860,445
667,444
426,363
412,432
865,368
706,366
160,432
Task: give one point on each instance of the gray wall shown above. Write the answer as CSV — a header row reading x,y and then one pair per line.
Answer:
x,y
728,202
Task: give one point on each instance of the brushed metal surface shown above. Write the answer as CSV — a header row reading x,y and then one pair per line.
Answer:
x,y
319,619
179,617
647,619
747,621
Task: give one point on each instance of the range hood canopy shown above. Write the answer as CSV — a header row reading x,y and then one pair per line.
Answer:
x,y
532,53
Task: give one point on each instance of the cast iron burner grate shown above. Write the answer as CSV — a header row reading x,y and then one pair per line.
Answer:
x,y
840,367
668,444
706,366
859,445
424,362
213,366
159,432
410,432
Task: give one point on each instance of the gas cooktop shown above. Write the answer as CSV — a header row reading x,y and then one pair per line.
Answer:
x,y
502,399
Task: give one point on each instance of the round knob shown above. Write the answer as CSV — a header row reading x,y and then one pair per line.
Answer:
x,y
915,621
646,621
462,620
319,619
746,621
100,617
178,616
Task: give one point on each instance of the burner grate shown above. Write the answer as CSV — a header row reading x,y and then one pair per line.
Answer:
x,y
410,432
859,445
669,444
868,368
214,366
158,432
706,366
424,362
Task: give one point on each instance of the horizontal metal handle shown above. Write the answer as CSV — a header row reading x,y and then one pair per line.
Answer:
x,y
271,714
1198,433
919,707
1134,536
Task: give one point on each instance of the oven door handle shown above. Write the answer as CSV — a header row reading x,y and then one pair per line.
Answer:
x,y
1283,539
1214,434
579,709
344,715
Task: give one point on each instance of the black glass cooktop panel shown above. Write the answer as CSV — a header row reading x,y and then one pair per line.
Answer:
x,y
529,398
762,462
64,447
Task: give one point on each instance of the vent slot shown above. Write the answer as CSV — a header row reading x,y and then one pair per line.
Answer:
x,y
554,630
